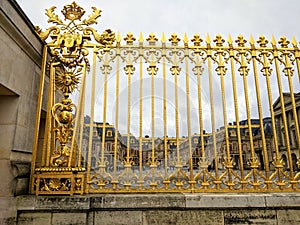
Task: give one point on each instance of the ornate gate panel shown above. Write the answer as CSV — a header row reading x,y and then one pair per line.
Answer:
x,y
165,116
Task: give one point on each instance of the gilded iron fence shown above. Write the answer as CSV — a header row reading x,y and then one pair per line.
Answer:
x,y
173,115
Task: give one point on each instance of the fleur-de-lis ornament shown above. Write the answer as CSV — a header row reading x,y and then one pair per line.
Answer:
x,y
129,38
241,41
219,40
152,39
174,39
262,41
197,40
283,42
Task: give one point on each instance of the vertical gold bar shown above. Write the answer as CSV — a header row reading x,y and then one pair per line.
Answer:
x,y
91,125
141,123
283,111
38,115
165,115
212,109
152,118
128,117
49,116
104,112
253,165
200,111
82,121
188,106
238,129
229,169
272,116
78,112
267,73
298,67
47,126
261,123
176,119
289,75
297,56
115,181
52,132
81,116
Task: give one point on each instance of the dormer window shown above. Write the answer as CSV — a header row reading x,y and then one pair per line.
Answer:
x,y
232,133
109,133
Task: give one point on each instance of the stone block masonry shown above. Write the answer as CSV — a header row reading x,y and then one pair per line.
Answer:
x,y
160,209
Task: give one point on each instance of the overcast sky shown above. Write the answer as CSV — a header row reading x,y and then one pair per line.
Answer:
x,y
256,17
267,17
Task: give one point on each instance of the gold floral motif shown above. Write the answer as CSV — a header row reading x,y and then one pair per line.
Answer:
x,y
241,41
152,39
129,69
152,69
283,42
72,34
174,39
175,70
92,18
53,18
129,38
55,184
197,40
219,40
262,41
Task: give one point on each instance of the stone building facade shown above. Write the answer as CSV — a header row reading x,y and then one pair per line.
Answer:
x,y
292,132
20,63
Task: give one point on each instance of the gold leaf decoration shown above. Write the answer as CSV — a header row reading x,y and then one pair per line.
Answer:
x,y
92,18
67,81
53,18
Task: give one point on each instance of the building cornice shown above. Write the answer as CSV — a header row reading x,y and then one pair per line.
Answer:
x,y
19,28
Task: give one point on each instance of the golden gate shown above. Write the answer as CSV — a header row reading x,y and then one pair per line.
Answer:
x,y
171,115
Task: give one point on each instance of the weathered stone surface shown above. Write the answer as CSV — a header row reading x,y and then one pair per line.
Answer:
x,y
34,219
250,216
283,199
225,200
118,217
139,201
154,209
74,218
183,217
62,202
288,217
7,211
26,202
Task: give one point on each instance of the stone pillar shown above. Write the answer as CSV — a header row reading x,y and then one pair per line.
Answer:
x,y
20,61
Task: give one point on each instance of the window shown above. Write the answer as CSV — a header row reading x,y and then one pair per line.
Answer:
x,y
109,147
109,133
247,132
294,137
233,133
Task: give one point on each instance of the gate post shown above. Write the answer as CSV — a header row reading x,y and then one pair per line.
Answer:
x,y
59,170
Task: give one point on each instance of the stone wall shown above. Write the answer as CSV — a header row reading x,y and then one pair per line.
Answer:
x,y
20,62
161,209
